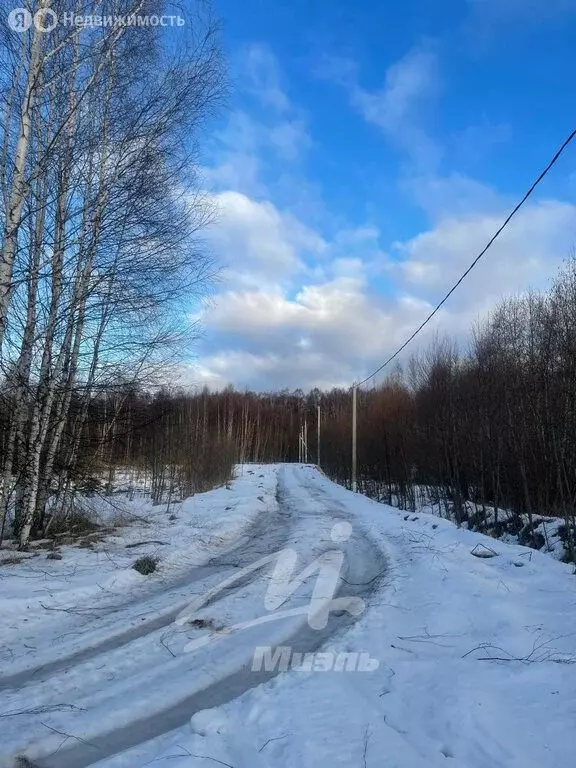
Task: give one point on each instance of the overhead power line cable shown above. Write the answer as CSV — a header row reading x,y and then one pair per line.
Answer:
x,y
476,260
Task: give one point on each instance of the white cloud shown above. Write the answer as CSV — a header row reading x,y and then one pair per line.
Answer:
x,y
454,195
263,72
525,255
236,156
329,311
289,138
257,244
300,308
269,371
247,151
337,326
410,84
327,335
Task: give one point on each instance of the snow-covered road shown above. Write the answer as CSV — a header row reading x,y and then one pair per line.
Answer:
x,y
111,675
428,654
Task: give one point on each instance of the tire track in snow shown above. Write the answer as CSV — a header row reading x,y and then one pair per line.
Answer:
x,y
236,557
361,580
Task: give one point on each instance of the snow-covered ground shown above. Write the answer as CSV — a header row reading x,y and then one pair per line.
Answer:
x,y
186,535
542,532
471,659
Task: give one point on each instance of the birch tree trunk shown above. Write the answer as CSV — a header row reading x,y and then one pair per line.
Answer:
x,y
19,184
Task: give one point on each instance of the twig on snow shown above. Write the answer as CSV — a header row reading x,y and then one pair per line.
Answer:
x,y
481,550
69,736
43,710
163,642
274,738
214,759
366,739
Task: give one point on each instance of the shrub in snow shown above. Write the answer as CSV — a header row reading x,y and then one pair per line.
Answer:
x,y
145,565
77,522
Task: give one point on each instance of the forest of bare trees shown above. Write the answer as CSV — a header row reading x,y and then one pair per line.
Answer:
x,y
100,206
494,424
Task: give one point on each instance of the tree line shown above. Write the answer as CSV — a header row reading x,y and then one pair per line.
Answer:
x,y
100,204
492,422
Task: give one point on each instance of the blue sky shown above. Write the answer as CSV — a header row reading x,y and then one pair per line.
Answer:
x,y
367,153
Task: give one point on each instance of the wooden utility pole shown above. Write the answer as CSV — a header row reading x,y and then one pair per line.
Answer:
x,y
354,459
318,440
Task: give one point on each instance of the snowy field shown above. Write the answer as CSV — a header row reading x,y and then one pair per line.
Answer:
x,y
471,642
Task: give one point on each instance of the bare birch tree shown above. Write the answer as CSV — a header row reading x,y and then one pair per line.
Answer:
x,y
102,205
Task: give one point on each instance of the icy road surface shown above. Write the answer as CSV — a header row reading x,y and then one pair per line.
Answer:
x,y
113,676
